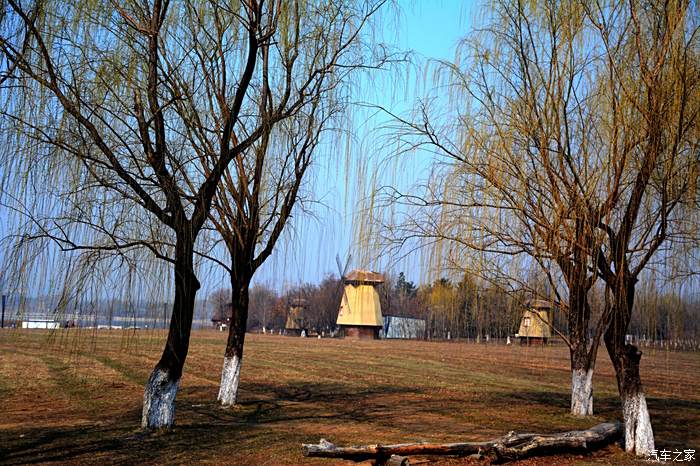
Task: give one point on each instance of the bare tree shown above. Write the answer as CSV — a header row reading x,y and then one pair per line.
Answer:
x,y
653,93
303,89
304,55
521,150
322,304
143,106
262,306
578,149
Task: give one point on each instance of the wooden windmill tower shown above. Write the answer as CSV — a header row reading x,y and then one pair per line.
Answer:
x,y
295,325
360,313
534,325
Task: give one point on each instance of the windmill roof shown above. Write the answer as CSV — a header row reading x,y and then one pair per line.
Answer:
x,y
297,302
365,276
539,304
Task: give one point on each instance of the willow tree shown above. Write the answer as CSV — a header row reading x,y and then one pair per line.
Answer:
x,y
577,147
651,90
145,105
523,174
306,74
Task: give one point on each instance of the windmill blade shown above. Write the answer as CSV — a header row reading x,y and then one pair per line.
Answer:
x,y
347,264
341,283
341,271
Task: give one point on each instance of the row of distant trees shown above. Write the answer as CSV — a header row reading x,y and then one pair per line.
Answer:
x,y
464,309
268,308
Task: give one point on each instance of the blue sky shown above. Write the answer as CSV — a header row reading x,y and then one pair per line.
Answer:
x,y
431,30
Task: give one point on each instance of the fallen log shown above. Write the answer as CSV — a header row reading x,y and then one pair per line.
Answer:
x,y
512,446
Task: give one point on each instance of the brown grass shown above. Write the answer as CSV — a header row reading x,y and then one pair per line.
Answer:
x,y
76,397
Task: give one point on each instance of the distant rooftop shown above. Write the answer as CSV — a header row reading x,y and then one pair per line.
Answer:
x,y
37,318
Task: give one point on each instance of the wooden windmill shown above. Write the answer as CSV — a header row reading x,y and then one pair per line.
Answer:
x,y
360,313
534,325
296,324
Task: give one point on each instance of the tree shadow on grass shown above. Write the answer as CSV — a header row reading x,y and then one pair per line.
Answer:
x,y
603,405
676,422
202,426
280,417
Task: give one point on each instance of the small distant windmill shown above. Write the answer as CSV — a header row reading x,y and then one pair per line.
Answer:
x,y
360,313
534,325
296,323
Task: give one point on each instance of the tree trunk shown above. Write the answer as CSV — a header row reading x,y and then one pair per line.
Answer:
x,y
233,356
582,352
159,399
161,388
582,391
638,434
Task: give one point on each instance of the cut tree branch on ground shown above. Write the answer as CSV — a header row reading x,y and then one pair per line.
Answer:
x,y
512,446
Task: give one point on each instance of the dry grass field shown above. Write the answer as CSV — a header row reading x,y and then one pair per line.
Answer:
x,y
75,397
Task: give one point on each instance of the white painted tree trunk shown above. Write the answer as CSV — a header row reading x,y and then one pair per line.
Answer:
x,y
582,392
230,376
639,436
159,401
